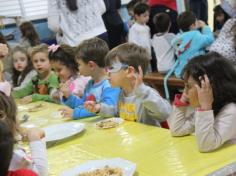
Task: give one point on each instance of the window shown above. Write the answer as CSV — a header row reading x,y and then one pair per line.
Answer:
x,y
26,9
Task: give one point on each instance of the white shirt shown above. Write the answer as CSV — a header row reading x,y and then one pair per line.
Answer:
x,y
165,53
140,35
84,23
211,131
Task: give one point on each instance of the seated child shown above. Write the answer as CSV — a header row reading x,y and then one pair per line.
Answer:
x,y
62,59
22,70
161,43
220,17
190,41
90,56
137,102
20,160
213,95
3,53
6,152
30,36
42,85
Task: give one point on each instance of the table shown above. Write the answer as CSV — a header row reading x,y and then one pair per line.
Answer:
x,y
153,149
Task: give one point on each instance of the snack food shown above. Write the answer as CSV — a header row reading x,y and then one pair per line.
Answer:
x,y
106,171
35,108
105,124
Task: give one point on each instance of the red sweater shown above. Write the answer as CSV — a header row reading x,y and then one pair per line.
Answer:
x,y
21,172
168,3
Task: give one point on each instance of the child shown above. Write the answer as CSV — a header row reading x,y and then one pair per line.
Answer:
x,y
130,8
20,160
90,56
23,70
190,42
213,94
139,33
7,60
30,37
137,102
3,53
44,83
161,43
6,152
220,17
62,59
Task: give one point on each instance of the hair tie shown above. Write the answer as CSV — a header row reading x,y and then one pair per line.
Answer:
x,y
5,88
53,48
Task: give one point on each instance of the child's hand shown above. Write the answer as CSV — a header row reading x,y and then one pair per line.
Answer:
x,y
200,24
35,134
67,112
56,96
3,50
205,94
137,78
26,100
184,97
92,106
65,89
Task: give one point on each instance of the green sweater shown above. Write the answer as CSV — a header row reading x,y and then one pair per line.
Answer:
x,y
39,89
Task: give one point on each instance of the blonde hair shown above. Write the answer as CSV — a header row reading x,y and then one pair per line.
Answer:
x,y
39,48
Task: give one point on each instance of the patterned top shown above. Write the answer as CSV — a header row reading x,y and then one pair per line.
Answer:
x,y
224,44
76,26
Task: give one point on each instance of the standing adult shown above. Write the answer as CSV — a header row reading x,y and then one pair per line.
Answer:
x,y
76,20
200,8
113,22
167,6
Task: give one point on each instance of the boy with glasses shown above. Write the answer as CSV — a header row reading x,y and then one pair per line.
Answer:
x,y
137,102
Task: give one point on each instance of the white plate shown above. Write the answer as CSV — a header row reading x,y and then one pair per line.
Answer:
x,y
62,131
127,167
114,119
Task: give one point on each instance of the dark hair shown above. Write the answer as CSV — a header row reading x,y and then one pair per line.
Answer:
x,y
28,68
132,3
28,31
218,10
8,112
130,54
222,76
162,22
140,8
93,49
66,56
3,39
72,5
185,20
6,147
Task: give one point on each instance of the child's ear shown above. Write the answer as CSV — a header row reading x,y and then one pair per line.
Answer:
x,y
130,71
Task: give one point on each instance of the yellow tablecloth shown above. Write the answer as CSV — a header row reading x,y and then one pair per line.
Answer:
x,y
153,149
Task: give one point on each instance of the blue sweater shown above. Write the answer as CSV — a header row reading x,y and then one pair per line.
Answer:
x,y
102,92
190,44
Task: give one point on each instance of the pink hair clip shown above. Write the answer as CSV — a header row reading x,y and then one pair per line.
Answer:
x,y
53,48
5,87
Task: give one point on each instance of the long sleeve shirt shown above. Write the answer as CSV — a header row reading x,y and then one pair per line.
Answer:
x,y
39,89
211,131
144,105
37,162
102,93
